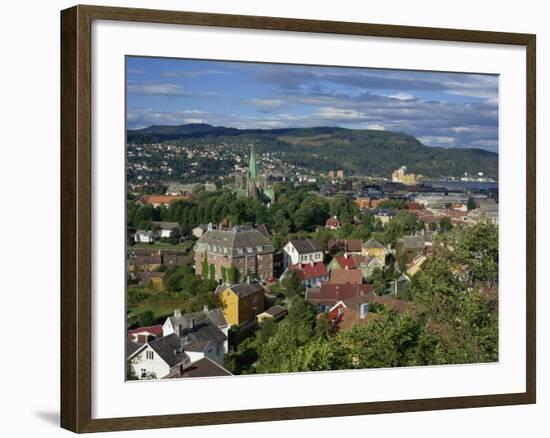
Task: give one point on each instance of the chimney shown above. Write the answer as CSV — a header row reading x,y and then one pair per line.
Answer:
x,y
177,329
192,323
363,310
177,312
205,308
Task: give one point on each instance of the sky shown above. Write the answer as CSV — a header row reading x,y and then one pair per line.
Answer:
x,y
453,110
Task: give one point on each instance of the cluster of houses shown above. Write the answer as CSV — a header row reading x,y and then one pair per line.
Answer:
x,y
195,344
159,230
431,208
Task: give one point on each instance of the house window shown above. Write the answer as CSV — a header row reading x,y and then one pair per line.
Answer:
x,y
260,248
149,355
143,373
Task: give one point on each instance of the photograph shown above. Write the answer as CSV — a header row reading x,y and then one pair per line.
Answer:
x,y
285,218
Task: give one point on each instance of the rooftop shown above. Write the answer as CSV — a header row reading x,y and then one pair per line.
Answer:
x,y
306,245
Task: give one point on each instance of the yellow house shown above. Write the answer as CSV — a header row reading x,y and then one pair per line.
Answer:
x,y
242,302
373,248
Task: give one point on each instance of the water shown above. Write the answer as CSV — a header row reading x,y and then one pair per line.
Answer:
x,y
462,185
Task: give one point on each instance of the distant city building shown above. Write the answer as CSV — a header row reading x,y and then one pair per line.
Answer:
x,y
336,173
166,200
333,223
255,185
144,236
400,176
243,248
165,229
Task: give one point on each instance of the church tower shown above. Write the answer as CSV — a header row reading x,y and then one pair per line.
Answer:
x,y
251,186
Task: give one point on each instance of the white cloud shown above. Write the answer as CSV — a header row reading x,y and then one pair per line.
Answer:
x,y
156,89
401,96
264,103
376,127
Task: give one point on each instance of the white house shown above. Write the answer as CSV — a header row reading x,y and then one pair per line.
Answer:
x,y
169,354
145,236
200,229
165,229
158,358
302,251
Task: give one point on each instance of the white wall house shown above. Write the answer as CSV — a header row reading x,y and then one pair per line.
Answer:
x,y
165,229
157,359
302,251
144,236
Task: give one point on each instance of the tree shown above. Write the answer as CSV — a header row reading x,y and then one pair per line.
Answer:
x,y
233,275
471,205
292,284
445,224
145,319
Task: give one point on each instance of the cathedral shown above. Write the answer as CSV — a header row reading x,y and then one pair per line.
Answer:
x,y
254,186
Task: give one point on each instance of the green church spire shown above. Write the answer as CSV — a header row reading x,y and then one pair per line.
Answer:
x,y
252,164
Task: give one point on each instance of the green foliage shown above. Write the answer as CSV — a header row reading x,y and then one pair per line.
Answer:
x,y
183,280
130,374
146,318
471,205
393,204
233,275
445,224
344,208
292,284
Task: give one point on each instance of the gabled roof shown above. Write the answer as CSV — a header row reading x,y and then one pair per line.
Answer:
x,y
276,311
330,294
343,276
229,241
307,271
216,316
373,243
306,245
153,329
244,289
164,199
132,347
362,261
347,245
137,259
170,350
346,262
204,367
196,338
167,225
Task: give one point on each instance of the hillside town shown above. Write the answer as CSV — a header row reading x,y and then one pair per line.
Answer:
x,y
261,272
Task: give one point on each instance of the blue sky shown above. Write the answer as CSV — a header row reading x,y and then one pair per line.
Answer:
x,y
440,109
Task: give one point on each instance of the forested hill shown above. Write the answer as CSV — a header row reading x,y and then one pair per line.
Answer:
x,y
366,152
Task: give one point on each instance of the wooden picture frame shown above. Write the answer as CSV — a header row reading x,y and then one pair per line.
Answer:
x,y
76,217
